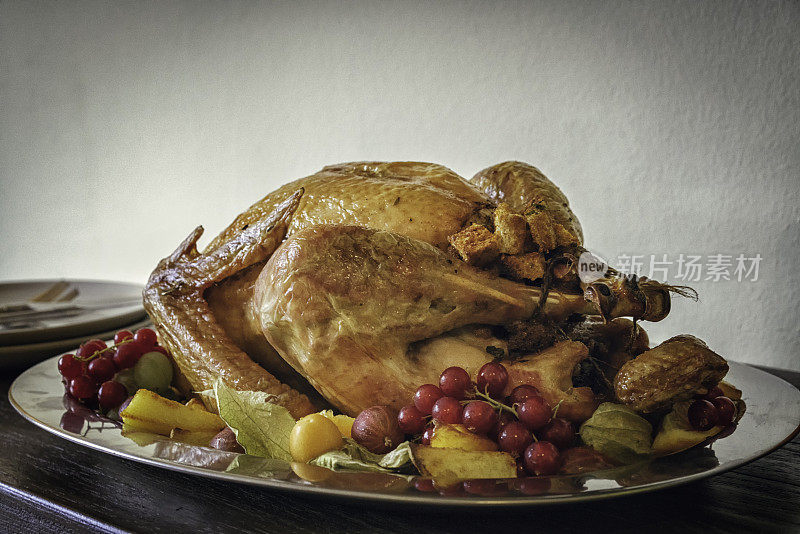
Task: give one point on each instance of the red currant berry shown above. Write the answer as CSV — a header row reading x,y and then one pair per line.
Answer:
x,y
514,438
425,397
99,343
454,382
534,413
411,420
522,393
424,484
82,388
122,335
492,379
559,432
479,417
111,394
726,410
542,458
146,337
102,369
127,355
502,420
447,410
702,415
89,348
70,367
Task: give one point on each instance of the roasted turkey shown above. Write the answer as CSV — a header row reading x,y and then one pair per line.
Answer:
x,y
355,285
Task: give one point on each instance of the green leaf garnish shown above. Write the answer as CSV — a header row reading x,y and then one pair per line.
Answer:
x,y
354,457
261,426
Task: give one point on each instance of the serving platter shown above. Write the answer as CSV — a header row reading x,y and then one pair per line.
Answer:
x,y
772,418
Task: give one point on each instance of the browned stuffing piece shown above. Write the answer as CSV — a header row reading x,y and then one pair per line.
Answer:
x,y
546,232
475,244
511,230
530,266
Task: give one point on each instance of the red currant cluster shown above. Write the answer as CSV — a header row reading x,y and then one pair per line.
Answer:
x,y
88,374
712,409
522,424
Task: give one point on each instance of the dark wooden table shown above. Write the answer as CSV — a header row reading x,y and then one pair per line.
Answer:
x,y
48,484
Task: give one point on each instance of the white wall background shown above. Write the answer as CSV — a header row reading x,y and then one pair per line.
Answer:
x,y
672,126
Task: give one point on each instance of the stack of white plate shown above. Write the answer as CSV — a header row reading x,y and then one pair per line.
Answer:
x,y
41,318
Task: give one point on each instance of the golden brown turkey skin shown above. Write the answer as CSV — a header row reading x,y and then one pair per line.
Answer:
x,y
214,309
346,305
425,201
231,305
201,348
523,187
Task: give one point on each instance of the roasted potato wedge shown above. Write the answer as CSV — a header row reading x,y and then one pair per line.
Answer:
x,y
448,466
676,434
149,412
458,437
131,425
197,404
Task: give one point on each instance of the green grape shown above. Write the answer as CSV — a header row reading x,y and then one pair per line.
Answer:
x,y
127,379
153,371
